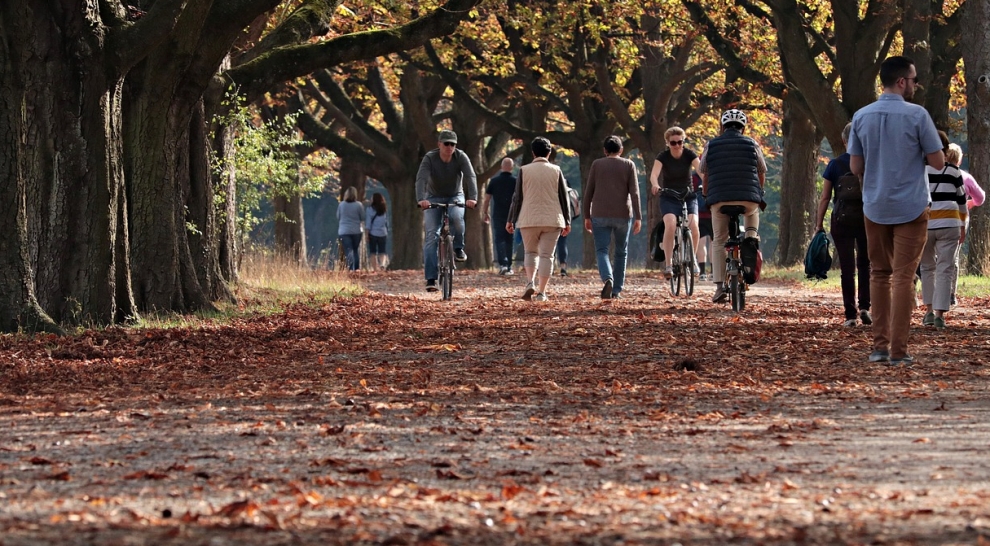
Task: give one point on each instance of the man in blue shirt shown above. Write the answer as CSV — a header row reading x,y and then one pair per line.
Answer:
x,y
499,192
890,142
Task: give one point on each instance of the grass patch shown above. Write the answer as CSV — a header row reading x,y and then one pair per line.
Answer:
x,y
267,285
972,286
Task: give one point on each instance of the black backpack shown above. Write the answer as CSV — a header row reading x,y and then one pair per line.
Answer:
x,y
818,258
847,210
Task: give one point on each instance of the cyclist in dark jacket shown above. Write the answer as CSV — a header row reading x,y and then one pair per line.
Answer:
x,y
733,172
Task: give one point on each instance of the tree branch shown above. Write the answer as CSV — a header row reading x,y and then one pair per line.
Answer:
x,y
130,43
259,75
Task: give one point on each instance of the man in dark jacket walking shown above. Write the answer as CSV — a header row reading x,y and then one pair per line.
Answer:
x,y
733,172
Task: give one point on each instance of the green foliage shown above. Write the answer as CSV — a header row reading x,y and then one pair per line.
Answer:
x,y
266,163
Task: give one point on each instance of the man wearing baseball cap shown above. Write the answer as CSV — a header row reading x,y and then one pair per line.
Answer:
x,y
445,176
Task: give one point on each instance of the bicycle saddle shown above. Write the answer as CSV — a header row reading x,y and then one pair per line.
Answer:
x,y
732,210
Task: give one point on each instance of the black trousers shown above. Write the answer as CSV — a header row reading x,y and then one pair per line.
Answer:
x,y
850,249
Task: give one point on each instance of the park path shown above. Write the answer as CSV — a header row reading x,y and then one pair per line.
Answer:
x,y
396,418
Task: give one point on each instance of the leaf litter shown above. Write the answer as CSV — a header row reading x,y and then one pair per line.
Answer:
x,y
396,418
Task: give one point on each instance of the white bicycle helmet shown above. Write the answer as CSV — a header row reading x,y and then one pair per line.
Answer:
x,y
734,116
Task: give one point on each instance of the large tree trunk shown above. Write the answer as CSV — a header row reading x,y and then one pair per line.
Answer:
x,y
19,309
976,57
407,224
797,195
69,160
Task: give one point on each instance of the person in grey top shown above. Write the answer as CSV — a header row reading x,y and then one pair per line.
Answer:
x,y
445,176
350,220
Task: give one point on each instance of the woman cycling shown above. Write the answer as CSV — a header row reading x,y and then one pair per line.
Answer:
x,y
675,164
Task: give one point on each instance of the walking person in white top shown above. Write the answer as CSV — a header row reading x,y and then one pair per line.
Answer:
x,y
946,231
542,213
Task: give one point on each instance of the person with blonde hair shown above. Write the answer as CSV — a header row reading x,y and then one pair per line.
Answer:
x,y
849,235
946,230
350,220
673,168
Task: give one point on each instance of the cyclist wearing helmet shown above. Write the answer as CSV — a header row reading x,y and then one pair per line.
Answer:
x,y
732,172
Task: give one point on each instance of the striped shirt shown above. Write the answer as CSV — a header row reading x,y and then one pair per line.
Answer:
x,y
948,197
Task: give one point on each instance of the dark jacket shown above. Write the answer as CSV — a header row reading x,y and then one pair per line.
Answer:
x,y
732,164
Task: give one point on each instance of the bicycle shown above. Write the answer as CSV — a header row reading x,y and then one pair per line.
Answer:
x,y
734,279
445,250
682,258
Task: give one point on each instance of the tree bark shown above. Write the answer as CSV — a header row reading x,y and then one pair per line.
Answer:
x,y
69,158
976,56
798,197
290,231
19,308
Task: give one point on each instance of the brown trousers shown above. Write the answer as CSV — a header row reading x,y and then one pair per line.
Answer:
x,y
895,252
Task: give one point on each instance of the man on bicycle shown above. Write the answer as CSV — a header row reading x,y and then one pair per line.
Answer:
x,y
733,172
444,176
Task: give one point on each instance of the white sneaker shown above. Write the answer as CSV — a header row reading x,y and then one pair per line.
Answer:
x,y
530,290
540,297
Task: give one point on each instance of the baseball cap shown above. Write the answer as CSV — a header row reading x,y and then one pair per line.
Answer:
x,y
448,136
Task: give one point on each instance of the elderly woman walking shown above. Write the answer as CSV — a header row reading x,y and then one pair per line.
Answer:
x,y
541,211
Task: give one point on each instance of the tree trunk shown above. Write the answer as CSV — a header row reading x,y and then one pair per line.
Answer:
x,y
588,260
19,308
407,224
798,197
68,156
290,231
976,57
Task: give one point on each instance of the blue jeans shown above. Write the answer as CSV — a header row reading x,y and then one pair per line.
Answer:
x,y
503,242
352,246
562,250
603,230
433,224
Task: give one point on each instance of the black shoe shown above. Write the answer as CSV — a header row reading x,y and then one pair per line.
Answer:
x,y
607,290
431,285
563,272
864,316
460,255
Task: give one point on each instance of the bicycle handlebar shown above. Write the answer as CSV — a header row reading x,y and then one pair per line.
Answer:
x,y
445,205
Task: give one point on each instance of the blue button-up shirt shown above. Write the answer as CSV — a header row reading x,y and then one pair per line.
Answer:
x,y
893,136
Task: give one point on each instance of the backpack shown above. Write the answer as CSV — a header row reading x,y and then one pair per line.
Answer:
x,y
572,194
818,258
848,208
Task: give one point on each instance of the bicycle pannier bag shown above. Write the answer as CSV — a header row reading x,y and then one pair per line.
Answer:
x,y
752,259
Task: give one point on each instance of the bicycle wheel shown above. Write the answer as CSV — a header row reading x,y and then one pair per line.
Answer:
x,y
688,261
675,269
735,293
447,268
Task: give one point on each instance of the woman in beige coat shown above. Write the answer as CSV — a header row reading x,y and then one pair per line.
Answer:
x,y
542,213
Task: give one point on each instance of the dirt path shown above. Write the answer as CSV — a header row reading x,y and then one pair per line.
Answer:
x,y
395,418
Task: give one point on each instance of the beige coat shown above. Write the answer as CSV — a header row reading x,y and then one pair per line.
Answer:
x,y
540,199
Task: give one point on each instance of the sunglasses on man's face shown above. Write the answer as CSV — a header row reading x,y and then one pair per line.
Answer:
x,y
676,142
450,144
